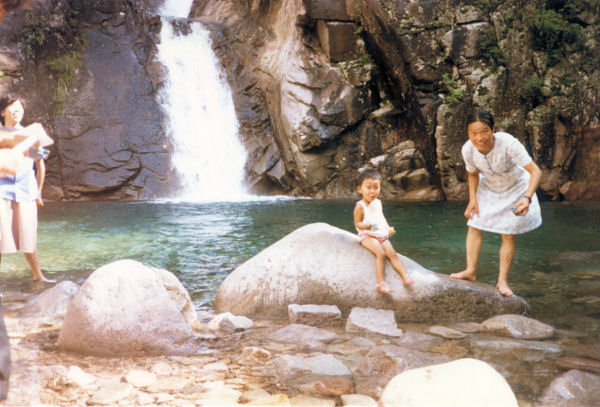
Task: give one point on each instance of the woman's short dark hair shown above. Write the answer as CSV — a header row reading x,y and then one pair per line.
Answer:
x,y
7,101
480,115
367,174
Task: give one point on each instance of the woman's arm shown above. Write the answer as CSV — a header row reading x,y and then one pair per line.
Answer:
x,y
535,176
473,206
40,175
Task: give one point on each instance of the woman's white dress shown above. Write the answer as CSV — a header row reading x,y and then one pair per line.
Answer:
x,y
502,183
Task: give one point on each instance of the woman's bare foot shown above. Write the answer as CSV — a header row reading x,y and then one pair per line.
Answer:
x,y
43,279
464,275
407,280
504,289
383,288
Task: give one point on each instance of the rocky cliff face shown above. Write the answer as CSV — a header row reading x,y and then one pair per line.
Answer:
x,y
321,87
388,84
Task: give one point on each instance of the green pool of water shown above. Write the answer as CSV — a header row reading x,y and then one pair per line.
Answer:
x,y
556,268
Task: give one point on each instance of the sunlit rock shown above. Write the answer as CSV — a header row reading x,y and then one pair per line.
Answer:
x,y
127,308
573,388
294,370
446,385
517,326
52,303
368,320
382,363
315,315
319,262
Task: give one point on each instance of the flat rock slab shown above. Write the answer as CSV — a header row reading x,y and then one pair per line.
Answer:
x,y
315,315
358,400
446,332
375,321
319,262
418,341
439,386
294,370
515,349
573,388
302,334
517,326
110,394
572,362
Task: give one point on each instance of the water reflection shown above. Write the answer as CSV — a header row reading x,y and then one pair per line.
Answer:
x,y
556,268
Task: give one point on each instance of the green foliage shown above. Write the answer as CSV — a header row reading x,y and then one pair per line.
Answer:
x,y
364,59
531,92
65,68
551,32
489,49
34,35
455,92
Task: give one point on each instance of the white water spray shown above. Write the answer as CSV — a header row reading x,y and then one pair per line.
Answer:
x,y
208,156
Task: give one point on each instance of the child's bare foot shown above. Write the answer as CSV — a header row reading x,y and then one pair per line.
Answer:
x,y
383,288
407,280
464,275
504,289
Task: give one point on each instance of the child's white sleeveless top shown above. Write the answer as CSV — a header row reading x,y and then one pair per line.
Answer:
x,y
374,217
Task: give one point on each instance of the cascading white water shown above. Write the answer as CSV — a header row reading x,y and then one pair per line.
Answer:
x,y
208,156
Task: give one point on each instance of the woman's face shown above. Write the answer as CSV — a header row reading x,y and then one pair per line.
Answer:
x,y
13,114
482,136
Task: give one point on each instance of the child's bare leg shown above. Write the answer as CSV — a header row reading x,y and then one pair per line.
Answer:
x,y
473,249
375,247
507,253
397,264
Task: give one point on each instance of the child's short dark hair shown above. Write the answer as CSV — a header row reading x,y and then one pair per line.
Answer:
x,y
367,174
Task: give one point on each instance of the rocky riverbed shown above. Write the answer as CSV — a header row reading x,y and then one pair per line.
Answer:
x,y
282,362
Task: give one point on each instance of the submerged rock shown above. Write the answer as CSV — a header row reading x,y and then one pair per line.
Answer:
x,y
126,308
517,326
294,370
573,388
441,385
319,262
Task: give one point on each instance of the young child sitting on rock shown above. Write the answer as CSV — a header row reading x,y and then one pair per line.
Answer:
x,y
374,231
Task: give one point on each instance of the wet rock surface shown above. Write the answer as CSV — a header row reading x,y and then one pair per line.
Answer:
x,y
237,367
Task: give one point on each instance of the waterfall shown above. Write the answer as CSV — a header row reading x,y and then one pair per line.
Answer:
x,y
208,156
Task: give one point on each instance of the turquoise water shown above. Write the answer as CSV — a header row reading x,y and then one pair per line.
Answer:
x,y
556,268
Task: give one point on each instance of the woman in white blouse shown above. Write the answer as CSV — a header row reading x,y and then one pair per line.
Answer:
x,y
502,183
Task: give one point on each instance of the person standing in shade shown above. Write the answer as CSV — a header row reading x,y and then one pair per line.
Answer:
x,y
502,183
20,195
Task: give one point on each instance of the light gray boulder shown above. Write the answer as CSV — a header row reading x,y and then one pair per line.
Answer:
x,y
319,262
51,303
294,370
572,388
126,308
445,385
368,320
229,323
517,326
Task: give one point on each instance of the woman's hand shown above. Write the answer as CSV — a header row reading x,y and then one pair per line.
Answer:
x,y
391,231
522,206
473,206
40,202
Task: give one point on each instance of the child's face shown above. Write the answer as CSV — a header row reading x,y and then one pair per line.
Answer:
x,y
370,189
481,135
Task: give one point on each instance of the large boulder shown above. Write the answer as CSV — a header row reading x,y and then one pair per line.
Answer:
x,y
126,308
319,262
464,382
